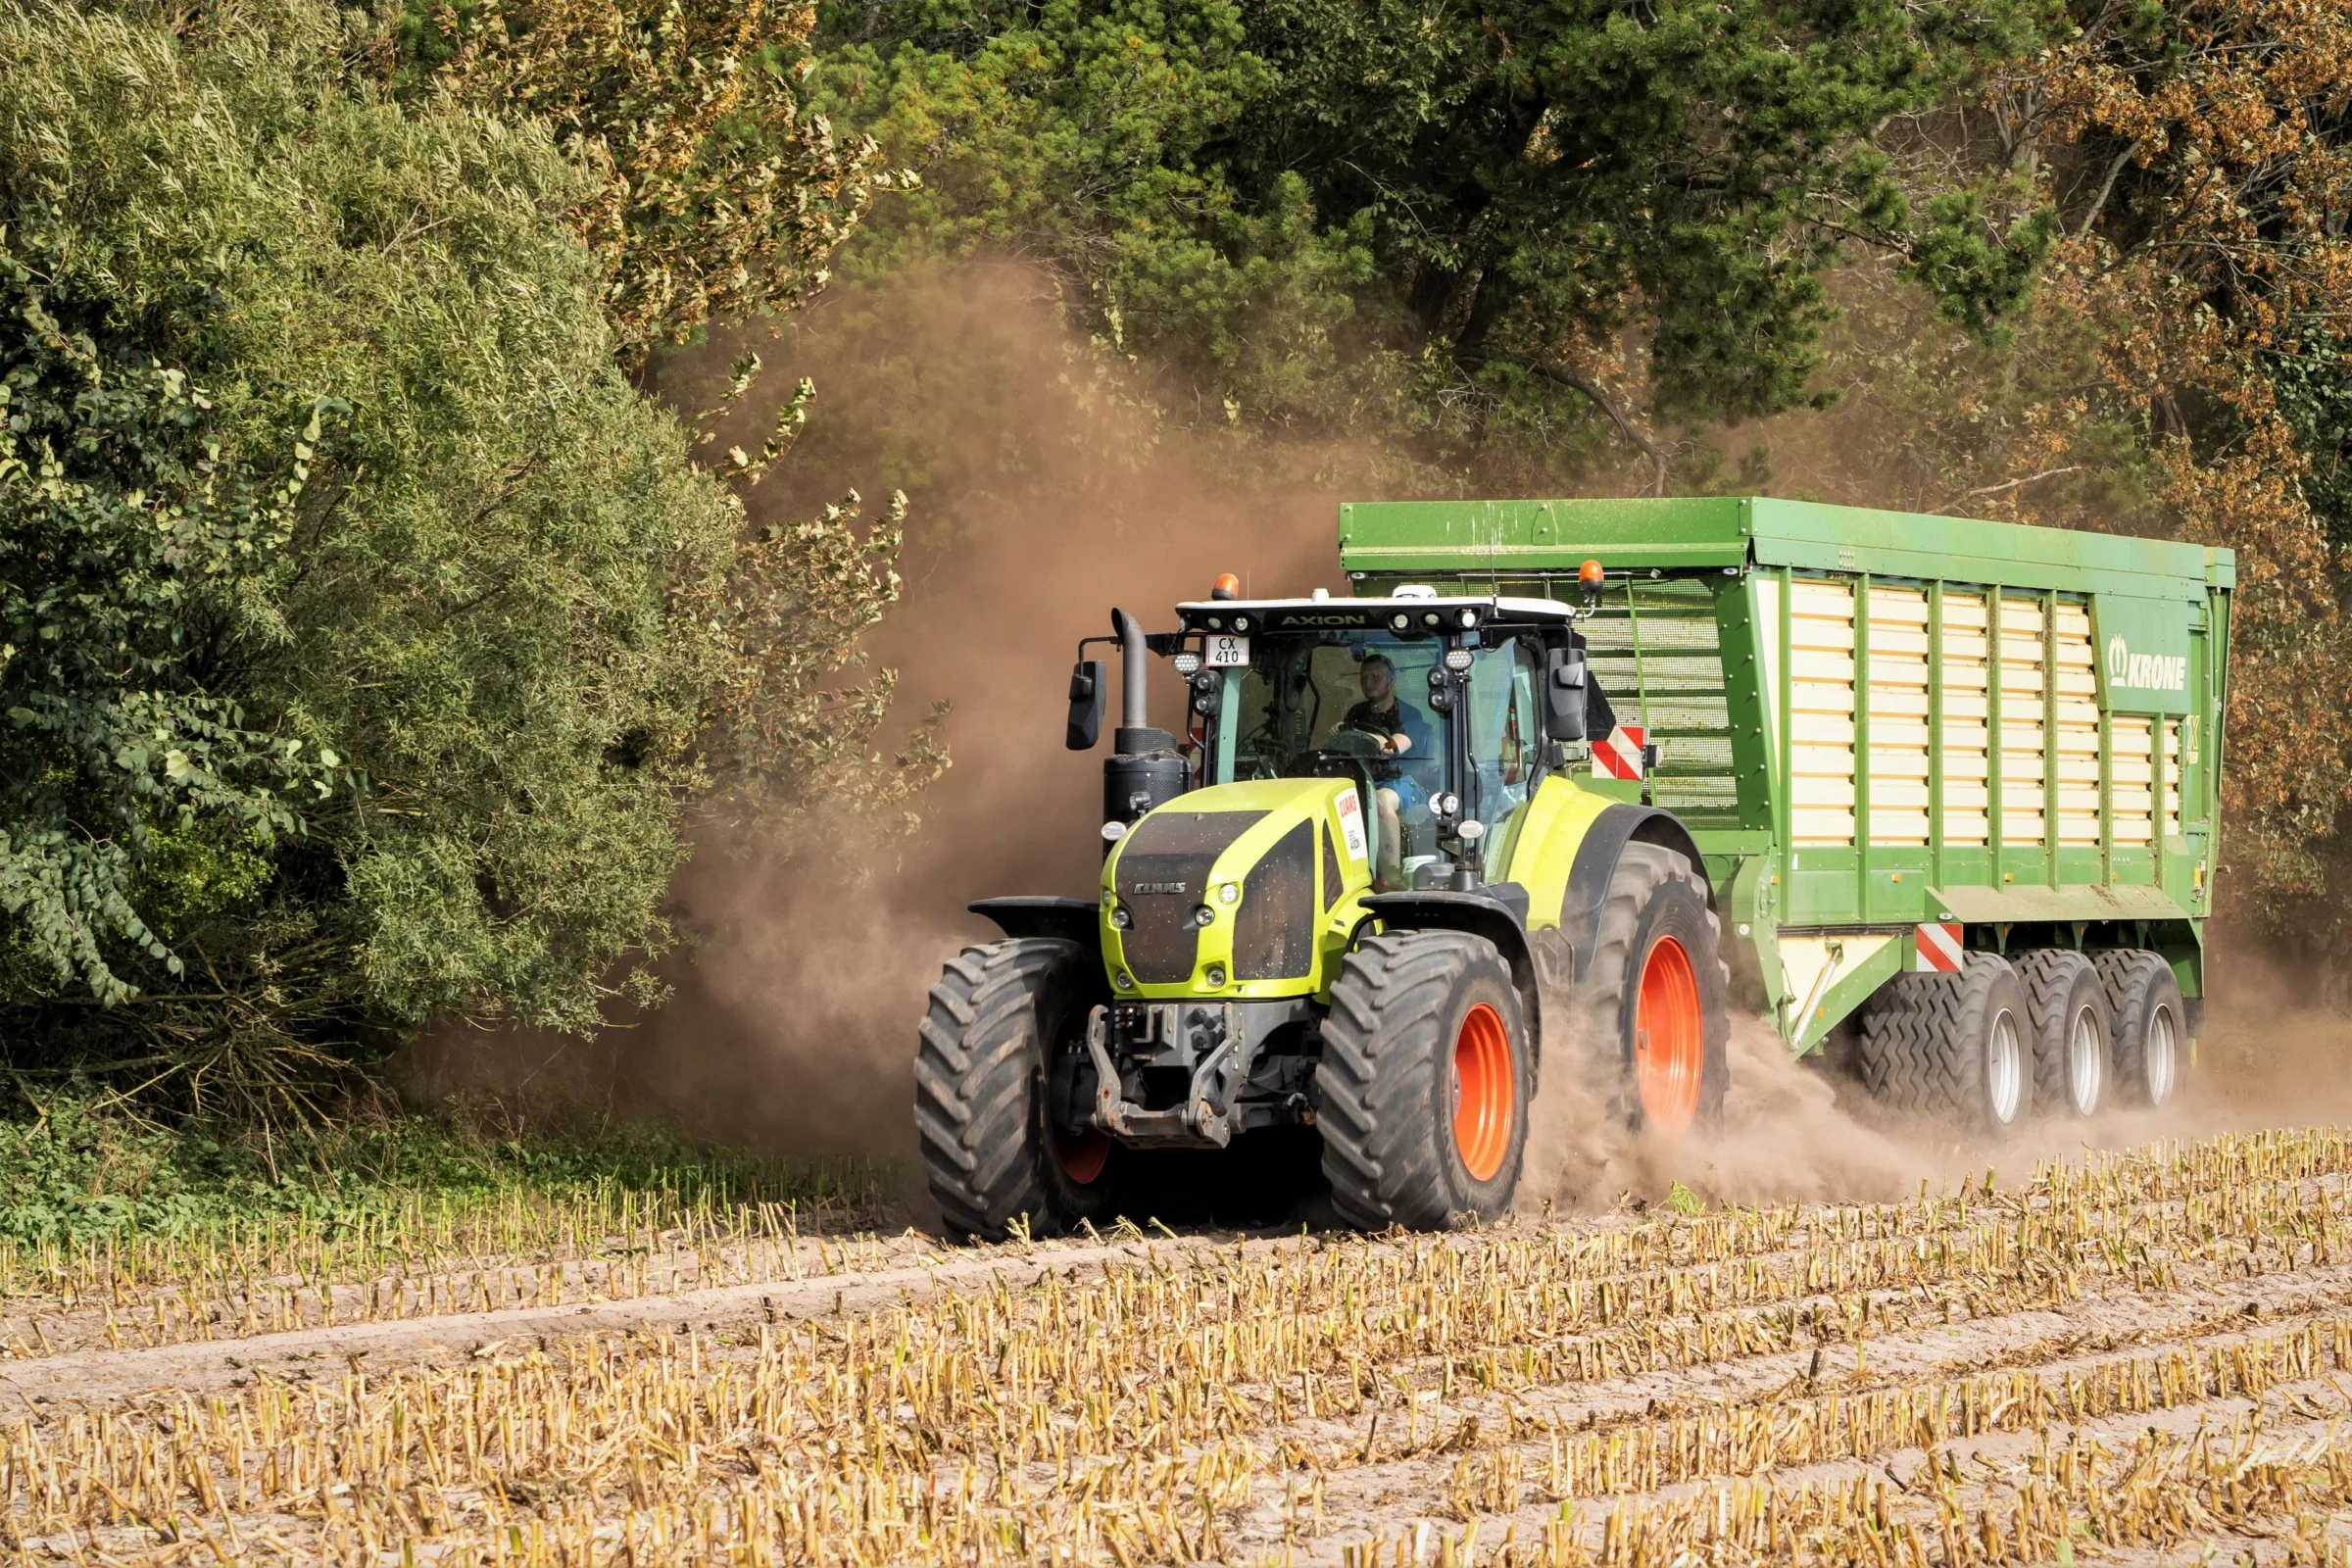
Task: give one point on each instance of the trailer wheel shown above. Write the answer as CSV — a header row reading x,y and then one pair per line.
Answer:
x,y
1001,1018
1424,1082
1951,1046
2066,1002
2151,1041
1655,1013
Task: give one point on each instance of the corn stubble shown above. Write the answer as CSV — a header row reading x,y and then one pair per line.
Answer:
x,y
1886,1385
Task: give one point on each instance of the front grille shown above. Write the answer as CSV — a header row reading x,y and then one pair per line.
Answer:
x,y
1274,937
1162,877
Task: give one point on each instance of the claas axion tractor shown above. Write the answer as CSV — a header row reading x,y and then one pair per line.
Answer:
x,y
1552,786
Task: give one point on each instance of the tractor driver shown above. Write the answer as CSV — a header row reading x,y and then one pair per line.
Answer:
x,y
1402,730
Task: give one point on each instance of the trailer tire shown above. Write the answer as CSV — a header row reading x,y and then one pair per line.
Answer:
x,y
2151,1035
2074,1027
1425,1083
1953,1046
1656,1015
998,1016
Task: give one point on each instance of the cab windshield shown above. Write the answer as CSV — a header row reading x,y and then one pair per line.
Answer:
x,y
1354,704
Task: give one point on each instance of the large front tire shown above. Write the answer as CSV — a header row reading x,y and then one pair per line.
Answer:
x,y
1655,1007
1002,1015
1424,1083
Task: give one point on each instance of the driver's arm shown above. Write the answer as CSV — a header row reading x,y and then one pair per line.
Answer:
x,y
1412,728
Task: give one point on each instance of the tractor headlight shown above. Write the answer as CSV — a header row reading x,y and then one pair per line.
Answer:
x,y
1125,981
1227,893
1121,920
1457,659
1399,622
1215,977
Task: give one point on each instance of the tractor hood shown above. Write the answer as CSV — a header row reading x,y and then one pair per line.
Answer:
x,y
1236,890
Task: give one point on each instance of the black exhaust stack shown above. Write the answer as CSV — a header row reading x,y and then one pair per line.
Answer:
x,y
1144,769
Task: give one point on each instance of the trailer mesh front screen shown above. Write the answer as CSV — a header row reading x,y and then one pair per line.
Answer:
x,y
1655,650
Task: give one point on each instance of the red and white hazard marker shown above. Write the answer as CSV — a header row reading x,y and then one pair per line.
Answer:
x,y
1938,947
1620,754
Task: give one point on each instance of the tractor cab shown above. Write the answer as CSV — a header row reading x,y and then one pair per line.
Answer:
x,y
1428,705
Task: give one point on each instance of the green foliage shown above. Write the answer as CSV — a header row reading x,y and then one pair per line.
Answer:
x,y
74,1170
475,602
1435,223
715,196
131,551
2314,388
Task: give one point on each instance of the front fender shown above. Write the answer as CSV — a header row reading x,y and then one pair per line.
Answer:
x,y
1497,913
1071,920
1567,852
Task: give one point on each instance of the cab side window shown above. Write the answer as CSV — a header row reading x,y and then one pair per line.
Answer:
x,y
1506,736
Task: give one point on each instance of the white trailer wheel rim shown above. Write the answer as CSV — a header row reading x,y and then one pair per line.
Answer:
x,y
2085,1063
2157,1055
2004,1068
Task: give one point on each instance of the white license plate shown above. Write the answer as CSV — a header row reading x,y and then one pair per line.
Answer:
x,y
1225,653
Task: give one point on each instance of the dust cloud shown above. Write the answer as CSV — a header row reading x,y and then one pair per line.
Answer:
x,y
1784,1136
1045,489
2273,1055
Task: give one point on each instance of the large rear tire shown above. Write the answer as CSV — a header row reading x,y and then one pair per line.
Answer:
x,y
2151,1038
1001,1017
2066,1003
1655,1013
1953,1046
1424,1083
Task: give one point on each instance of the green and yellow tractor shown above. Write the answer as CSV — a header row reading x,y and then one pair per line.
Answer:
x,y
1940,791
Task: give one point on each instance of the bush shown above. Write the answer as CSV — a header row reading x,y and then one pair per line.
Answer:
x,y
487,600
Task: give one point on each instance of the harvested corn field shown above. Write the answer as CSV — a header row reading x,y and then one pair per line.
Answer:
x,y
2147,1354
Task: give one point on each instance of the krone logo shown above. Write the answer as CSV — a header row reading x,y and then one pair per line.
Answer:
x,y
2148,672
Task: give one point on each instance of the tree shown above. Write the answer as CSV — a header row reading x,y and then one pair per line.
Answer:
x,y
1450,224
126,543
491,618
715,196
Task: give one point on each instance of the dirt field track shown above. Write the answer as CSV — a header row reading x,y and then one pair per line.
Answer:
x,y
2143,1357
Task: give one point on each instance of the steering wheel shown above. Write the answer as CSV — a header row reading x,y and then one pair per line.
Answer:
x,y
1347,753
1356,742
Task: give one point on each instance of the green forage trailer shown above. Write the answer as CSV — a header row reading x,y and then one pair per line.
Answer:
x,y
1557,783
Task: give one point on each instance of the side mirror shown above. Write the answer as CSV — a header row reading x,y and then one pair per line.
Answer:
x,y
1565,694
1090,690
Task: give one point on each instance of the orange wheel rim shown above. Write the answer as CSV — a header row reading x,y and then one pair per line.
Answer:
x,y
1082,1158
1669,1037
1484,1092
